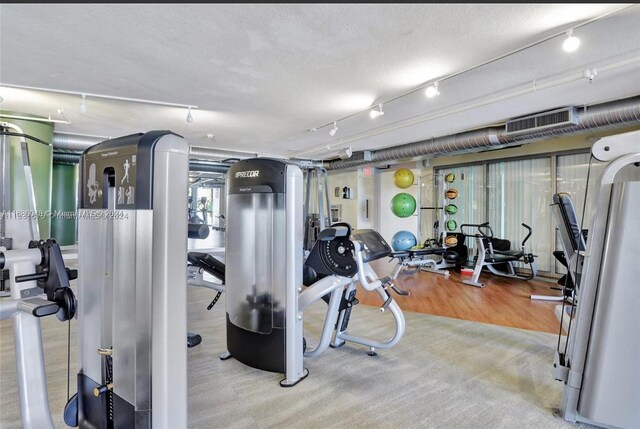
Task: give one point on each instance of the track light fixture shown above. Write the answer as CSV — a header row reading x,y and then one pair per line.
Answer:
x,y
571,43
83,104
345,153
432,90
334,130
189,116
376,113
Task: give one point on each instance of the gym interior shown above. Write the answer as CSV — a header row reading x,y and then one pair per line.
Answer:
x,y
319,215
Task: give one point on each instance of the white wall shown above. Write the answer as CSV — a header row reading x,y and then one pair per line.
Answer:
x,y
349,206
390,223
366,192
354,209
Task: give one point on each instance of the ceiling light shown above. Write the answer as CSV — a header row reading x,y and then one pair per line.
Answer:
x,y
334,130
83,105
189,116
376,113
571,43
432,90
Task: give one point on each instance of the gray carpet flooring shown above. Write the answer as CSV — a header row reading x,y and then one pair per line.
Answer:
x,y
445,373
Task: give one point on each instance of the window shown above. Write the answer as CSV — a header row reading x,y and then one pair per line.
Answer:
x,y
520,192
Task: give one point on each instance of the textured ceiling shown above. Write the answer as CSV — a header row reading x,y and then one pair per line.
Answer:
x,y
262,75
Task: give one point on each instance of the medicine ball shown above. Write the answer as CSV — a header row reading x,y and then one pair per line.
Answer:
x,y
451,209
451,194
449,178
452,225
451,241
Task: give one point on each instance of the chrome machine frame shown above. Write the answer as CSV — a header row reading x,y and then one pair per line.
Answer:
x,y
36,273
599,365
132,251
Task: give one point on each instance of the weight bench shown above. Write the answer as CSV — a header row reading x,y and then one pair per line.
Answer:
x,y
198,263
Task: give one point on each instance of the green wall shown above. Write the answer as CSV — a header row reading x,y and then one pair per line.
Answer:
x,y
64,194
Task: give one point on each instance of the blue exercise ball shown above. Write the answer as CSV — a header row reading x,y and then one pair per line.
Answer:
x,y
403,240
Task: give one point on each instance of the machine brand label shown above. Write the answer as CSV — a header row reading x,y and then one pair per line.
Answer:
x,y
109,154
250,173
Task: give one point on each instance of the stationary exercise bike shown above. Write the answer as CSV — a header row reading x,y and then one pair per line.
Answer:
x,y
498,262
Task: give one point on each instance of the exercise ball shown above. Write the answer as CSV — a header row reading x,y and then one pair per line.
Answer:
x,y
451,194
403,205
451,241
403,178
449,178
452,225
451,209
403,240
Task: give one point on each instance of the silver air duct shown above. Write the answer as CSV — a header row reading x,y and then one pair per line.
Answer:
x,y
68,143
208,154
74,143
196,166
600,117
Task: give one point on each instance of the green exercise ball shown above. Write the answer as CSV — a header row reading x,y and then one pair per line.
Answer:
x,y
451,209
449,178
452,225
403,205
403,178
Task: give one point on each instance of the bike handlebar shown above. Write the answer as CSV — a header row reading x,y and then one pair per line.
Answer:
x,y
528,235
482,227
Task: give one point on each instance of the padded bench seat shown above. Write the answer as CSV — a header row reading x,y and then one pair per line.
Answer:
x,y
418,252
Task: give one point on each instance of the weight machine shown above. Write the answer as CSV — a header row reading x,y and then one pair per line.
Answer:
x,y
38,286
265,297
598,359
132,319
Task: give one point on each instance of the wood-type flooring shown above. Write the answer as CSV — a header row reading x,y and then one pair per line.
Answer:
x,y
503,301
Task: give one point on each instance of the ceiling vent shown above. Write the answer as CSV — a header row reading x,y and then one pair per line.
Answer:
x,y
542,121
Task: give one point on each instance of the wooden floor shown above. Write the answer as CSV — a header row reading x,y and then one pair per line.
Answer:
x,y
502,301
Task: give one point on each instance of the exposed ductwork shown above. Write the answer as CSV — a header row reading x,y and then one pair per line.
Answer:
x,y
74,143
209,154
196,166
208,167
69,143
600,117
66,158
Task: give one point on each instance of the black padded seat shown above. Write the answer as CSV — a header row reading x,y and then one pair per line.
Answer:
x,y
563,200
512,253
376,246
208,263
417,252
400,254
428,251
497,257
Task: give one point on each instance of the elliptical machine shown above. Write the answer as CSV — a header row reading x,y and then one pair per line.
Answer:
x,y
498,262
